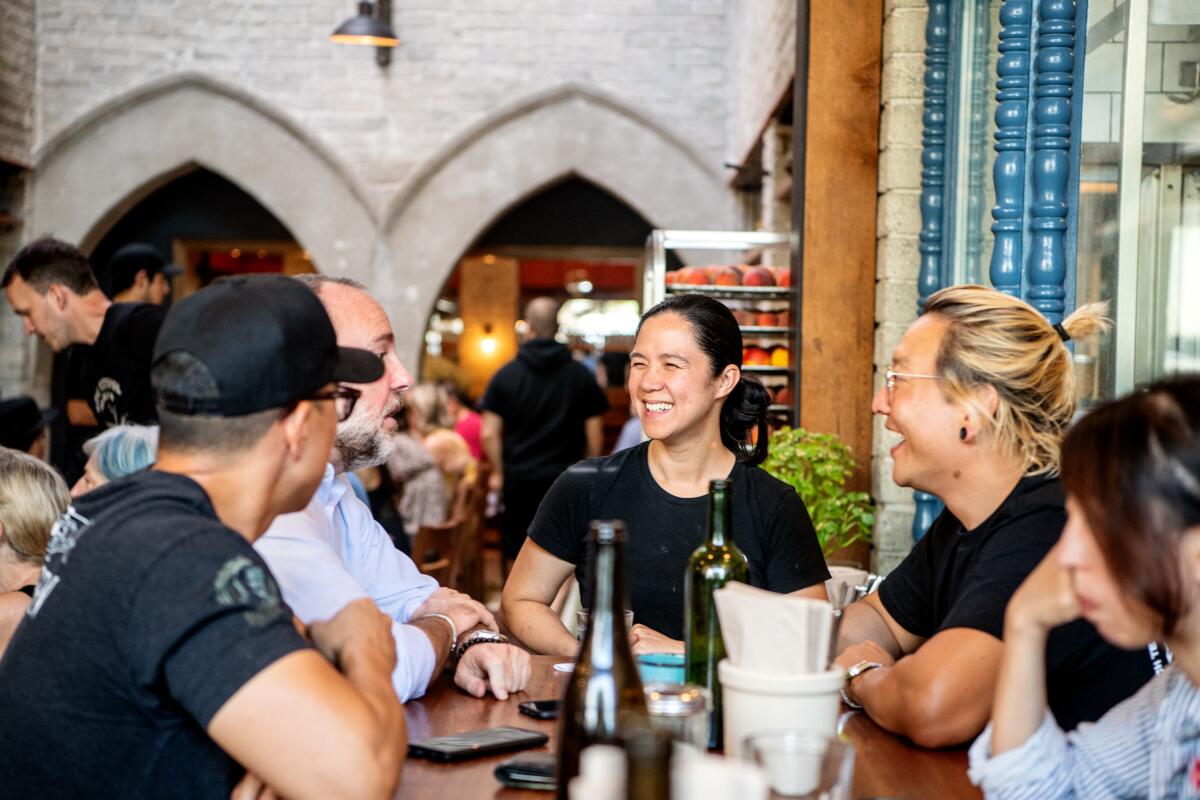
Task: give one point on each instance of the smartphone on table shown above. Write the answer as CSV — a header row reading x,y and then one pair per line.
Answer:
x,y
529,771
461,746
540,709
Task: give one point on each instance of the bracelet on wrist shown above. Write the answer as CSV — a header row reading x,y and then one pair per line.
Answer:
x,y
453,629
480,637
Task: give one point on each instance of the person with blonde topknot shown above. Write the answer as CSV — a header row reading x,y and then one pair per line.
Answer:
x,y
980,393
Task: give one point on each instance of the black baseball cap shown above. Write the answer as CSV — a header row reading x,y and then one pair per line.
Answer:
x,y
131,259
266,341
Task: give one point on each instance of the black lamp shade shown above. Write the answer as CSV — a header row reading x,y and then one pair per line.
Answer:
x,y
365,29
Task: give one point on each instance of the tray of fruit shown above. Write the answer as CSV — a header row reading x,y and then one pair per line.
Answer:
x,y
762,321
731,280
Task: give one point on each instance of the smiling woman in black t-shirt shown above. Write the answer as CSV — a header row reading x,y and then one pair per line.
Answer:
x,y
698,412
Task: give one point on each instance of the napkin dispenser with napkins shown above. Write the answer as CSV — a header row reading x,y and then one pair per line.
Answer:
x,y
775,675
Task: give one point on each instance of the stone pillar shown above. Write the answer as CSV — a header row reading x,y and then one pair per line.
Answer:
x,y
898,258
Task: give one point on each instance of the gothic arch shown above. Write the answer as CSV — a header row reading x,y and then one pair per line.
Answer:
x,y
512,155
92,172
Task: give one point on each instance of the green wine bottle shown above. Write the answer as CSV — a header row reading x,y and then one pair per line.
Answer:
x,y
714,564
604,699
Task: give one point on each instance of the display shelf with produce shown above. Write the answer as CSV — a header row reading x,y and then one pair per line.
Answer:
x,y
762,298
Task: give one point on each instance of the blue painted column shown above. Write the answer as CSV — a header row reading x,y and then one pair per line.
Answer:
x,y
1054,67
1012,92
933,150
933,190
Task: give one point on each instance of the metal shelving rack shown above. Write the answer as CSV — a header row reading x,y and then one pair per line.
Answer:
x,y
750,245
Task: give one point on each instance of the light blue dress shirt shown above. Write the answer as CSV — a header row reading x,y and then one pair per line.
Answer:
x,y
1146,747
334,552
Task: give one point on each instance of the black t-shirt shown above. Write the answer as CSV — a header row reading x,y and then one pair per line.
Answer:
x,y
770,525
115,378
955,578
147,618
544,397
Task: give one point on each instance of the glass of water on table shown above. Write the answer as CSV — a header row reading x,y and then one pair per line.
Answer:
x,y
581,622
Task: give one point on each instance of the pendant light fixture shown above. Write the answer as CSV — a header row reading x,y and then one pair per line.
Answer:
x,y
373,27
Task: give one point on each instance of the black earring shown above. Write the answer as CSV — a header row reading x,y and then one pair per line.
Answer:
x,y
962,434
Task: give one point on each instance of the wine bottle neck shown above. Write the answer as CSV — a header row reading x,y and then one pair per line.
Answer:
x,y
720,528
607,605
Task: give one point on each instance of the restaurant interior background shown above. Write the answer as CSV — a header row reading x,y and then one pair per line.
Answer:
x,y
524,147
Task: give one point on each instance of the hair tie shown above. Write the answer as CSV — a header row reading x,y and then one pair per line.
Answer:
x,y
1062,332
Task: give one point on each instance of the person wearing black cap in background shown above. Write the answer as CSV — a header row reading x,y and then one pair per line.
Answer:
x,y
23,425
51,286
138,273
157,658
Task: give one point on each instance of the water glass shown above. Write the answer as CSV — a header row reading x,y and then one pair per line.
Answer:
x,y
581,622
803,764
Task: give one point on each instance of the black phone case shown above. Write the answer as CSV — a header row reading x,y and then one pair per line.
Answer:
x,y
461,746
530,709
531,771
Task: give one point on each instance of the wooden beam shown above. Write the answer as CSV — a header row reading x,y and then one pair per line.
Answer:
x,y
840,190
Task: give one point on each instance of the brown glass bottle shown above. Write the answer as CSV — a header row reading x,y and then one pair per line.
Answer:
x,y
604,695
714,564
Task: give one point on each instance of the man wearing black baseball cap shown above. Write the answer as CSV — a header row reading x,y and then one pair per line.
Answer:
x,y
157,658
137,273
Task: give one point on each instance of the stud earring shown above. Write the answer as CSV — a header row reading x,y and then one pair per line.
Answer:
x,y
962,434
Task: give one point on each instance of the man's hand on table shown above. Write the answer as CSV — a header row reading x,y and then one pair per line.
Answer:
x,y
465,612
648,640
503,668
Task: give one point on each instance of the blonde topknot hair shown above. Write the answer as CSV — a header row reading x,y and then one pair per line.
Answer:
x,y
999,340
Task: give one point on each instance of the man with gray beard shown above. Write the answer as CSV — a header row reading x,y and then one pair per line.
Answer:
x,y
333,552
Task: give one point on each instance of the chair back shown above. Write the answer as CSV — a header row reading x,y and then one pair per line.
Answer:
x,y
435,550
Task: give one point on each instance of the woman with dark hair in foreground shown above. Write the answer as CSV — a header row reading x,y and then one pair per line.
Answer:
x,y
1129,562
699,413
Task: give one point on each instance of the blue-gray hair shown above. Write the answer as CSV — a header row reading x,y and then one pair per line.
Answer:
x,y
123,450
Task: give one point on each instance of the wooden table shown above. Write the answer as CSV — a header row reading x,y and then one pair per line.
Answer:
x,y
885,765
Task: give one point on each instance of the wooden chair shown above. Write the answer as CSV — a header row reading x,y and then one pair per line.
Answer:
x,y
435,550
468,574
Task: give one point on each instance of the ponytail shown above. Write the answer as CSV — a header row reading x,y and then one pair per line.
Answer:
x,y
744,412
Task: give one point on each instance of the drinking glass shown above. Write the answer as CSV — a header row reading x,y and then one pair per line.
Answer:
x,y
581,622
803,764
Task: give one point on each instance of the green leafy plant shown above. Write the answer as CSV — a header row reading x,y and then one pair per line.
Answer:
x,y
817,465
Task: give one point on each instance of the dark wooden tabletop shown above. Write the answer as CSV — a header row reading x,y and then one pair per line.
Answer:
x,y
885,765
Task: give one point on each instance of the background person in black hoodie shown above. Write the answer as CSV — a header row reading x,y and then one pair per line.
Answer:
x,y
541,413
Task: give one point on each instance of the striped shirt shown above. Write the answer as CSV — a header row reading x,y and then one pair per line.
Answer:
x,y
1148,746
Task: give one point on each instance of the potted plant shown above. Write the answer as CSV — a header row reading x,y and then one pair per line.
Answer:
x,y
817,465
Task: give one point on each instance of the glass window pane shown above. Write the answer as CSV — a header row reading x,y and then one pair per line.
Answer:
x,y
1135,241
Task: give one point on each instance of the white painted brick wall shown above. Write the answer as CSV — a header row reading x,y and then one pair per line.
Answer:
x,y
17,79
898,259
763,63
458,60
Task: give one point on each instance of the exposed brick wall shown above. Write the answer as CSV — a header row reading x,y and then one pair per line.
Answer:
x,y
897,260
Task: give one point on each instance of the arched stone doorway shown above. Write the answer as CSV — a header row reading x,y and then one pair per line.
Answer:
x,y
512,156
89,175
574,242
